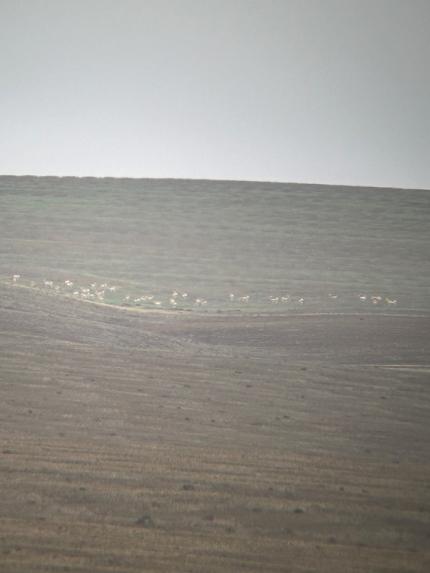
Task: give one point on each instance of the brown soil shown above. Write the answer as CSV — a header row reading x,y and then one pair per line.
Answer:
x,y
184,443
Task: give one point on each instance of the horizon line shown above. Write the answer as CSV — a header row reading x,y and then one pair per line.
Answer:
x,y
220,180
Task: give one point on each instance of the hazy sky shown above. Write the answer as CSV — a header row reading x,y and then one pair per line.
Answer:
x,y
331,91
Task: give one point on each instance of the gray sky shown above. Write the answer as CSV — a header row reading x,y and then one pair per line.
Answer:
x,y
330,91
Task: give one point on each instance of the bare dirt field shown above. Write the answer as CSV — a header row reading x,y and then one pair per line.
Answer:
x,y
174,442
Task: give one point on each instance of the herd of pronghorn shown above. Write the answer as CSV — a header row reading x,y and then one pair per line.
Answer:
x,y
106,293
